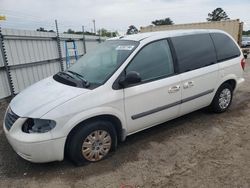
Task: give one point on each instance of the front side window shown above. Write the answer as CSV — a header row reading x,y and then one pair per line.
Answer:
x,y
225,47
153,61
194,51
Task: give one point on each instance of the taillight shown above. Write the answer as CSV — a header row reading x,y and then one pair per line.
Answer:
x,y
243,63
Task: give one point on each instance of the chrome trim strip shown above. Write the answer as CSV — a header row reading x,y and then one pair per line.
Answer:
x,y
197,96
158,109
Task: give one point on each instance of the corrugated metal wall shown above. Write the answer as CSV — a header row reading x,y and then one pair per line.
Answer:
x,y
232,27
34,55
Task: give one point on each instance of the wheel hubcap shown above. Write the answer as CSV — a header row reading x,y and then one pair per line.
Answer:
x,y
225,98
96,145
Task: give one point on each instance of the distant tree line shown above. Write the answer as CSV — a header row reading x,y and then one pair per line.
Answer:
x,y
102,32
246,32
71,31
105,33
41,29
166,21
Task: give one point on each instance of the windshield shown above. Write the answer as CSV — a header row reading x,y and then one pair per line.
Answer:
x,y
97,66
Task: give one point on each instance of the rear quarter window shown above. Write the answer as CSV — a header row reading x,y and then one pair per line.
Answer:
x,y
225,47
194,51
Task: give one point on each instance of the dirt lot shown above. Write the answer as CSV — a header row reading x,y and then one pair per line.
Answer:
x,y
198,150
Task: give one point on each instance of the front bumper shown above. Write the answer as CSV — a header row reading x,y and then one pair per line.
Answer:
x,y
38,148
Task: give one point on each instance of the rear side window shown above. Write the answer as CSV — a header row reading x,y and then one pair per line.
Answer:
x,y
153,61
225,47
194,51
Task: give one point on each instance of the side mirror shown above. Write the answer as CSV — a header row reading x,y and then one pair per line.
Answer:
x,y
132,77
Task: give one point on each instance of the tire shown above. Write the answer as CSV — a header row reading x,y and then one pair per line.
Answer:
x,y
222,99
91,142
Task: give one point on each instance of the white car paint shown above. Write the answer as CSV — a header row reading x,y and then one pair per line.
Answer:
x,y
68,106
195,82
42,97
139,99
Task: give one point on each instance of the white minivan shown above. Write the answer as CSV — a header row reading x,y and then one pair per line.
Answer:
x,y
125,85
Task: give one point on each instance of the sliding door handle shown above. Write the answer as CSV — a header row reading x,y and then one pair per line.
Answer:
x,y
188,84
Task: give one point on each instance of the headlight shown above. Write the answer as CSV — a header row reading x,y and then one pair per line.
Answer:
x,y
38,125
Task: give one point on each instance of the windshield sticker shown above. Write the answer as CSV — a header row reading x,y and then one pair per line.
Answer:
x,y
127,47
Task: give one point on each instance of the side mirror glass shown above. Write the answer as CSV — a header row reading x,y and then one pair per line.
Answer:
x,y
131,77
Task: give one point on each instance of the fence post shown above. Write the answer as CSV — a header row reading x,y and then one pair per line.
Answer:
x,y
59,46
84,41
6,66
100,32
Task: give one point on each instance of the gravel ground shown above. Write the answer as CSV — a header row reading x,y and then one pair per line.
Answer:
x,y
199,150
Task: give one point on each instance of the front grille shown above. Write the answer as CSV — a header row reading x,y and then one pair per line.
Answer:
x,y
10,119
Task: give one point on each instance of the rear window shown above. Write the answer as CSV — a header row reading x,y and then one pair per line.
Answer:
x,y
194,51
225,47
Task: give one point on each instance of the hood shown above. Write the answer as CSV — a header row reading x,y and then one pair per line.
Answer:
x,y
40,98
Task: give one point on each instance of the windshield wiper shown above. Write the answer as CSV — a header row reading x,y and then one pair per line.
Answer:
x,y
85,82
65,74
75,73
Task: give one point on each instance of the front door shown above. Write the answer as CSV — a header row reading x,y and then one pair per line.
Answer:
x,y
156,98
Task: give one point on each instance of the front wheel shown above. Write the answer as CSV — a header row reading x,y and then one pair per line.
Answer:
x,y
222,98
91,142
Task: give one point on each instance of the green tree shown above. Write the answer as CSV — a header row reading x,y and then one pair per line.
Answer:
x,y
105,33
41,29
132,30
217,14
70,31
246,32
166,21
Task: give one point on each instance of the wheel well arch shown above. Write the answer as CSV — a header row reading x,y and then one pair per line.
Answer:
x,y
231,82
113,119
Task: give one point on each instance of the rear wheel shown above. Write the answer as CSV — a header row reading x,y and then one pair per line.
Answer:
x,y
91,142
222,99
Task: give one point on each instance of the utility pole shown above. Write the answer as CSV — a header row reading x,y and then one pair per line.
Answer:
x,y
59,47
84,41
94,26
100,35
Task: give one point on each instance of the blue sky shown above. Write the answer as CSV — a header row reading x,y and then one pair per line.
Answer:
x,y
114,14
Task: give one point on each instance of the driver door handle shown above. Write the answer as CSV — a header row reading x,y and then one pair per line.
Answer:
x,y
174,89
